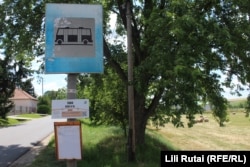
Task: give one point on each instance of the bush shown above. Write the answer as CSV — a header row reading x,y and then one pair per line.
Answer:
x,y
44,100
43,109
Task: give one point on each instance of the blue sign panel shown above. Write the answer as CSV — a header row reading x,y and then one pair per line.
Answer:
x,y
74,41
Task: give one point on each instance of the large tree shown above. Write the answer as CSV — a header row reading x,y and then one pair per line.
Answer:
x,y
15,56
7,86
180,47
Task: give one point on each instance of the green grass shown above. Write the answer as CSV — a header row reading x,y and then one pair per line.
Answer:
x,y
106,147
13,121
30,116
8,122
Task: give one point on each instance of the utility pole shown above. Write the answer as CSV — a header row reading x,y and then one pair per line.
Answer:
x,y
40,80
42,85
131,132
71,94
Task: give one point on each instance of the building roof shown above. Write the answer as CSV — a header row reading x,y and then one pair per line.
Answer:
x,y
20,94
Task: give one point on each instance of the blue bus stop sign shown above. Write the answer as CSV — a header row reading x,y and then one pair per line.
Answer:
x,y
74,41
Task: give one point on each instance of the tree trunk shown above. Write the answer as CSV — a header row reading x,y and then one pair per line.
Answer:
x,y
140,125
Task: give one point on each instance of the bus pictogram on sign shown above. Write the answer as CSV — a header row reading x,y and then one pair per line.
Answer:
x,y
74,36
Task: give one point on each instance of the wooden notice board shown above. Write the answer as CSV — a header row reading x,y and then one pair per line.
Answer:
x,y
68,136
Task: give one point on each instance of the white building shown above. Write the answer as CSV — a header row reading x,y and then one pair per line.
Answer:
x,y
23,102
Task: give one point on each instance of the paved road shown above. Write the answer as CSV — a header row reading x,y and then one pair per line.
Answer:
x,y
17,140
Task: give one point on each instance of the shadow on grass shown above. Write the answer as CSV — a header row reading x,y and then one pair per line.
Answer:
x,y
111,151
88,123
4,122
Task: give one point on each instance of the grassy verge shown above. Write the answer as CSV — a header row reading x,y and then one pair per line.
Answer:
x,y
30,116
8,122
106,147
14,121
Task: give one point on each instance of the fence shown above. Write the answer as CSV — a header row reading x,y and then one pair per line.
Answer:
x,y
22,110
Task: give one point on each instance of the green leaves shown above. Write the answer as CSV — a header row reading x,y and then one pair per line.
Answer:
x,y
107,94
7,86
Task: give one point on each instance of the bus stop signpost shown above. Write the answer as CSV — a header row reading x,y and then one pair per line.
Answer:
x,y
74,45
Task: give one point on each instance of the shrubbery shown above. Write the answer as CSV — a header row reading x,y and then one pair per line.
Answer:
x,y
43,106
43,109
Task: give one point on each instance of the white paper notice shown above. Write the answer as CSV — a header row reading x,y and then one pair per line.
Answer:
x,y
69,143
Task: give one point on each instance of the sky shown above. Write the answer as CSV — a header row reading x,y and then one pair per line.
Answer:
x,y
47,82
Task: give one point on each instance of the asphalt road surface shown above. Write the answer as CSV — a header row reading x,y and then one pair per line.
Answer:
x,y
17,140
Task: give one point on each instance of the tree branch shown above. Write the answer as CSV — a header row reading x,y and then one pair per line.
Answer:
x,y
113,63
122,11
155,102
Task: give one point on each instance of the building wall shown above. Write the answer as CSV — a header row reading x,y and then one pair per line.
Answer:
x,y
22,106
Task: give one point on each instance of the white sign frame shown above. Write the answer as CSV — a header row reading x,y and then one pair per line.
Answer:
x,y
70,108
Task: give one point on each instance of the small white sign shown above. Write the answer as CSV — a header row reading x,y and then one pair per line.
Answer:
x,y
70,108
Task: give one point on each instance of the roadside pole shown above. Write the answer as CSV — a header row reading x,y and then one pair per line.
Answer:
x,y
71,94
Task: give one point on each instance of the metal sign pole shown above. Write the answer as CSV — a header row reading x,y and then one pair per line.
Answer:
x,y
71,94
